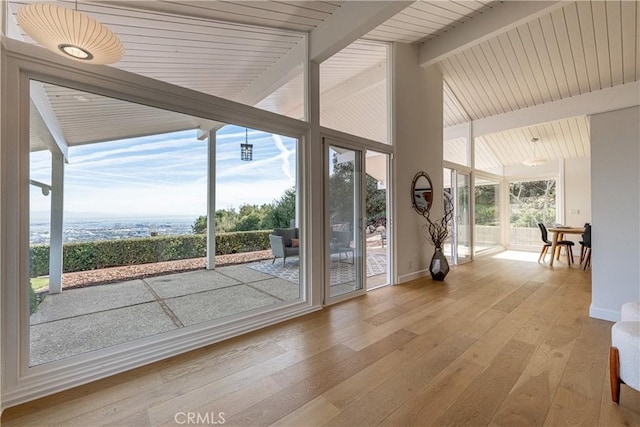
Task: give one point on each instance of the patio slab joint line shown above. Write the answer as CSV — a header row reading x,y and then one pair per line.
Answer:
x,y
264,292
163,305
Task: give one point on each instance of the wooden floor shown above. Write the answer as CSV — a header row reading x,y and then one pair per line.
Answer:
x,y
500,342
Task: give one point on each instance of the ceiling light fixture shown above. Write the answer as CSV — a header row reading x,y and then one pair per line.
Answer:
x,y
535,160
70,33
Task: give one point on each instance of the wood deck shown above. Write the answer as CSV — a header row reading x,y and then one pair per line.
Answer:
x,y
500,342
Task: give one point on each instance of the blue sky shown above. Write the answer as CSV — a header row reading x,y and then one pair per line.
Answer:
x,y
166,175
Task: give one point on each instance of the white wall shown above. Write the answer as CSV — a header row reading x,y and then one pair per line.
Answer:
x,y
615,206
417,133
577,194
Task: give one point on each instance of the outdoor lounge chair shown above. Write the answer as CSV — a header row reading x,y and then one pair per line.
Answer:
x,y
341,244
282,243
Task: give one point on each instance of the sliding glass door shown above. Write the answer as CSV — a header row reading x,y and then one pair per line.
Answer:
x,y
487,202
457,185
344,252
462,216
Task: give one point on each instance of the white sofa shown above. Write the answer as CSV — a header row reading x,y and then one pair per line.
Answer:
x,y
624,356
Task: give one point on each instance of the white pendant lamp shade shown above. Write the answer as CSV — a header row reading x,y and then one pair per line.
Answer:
x,y
70,33
535,160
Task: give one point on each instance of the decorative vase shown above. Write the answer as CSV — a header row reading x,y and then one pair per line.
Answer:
x,y
439,266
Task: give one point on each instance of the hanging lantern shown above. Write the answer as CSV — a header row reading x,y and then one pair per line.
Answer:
x,y
246,149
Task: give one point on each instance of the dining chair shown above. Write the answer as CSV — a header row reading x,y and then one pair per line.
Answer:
x,y
547,244
586,241
582,246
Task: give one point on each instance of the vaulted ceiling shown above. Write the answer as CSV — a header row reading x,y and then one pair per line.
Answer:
x,y
579,48
253,51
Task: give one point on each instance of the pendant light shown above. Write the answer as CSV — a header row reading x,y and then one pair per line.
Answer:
x,y
246,149
535,160
70,33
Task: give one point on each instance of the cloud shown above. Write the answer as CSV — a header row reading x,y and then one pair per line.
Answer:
x,y
166,175
285,153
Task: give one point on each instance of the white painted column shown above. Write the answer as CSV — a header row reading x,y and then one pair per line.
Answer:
x,y
314,186
211,201
417,134
57,206
3,26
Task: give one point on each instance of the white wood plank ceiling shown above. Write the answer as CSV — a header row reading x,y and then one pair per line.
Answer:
x,y
302,16
582,47
94,121
563,139
579,48
214,57
352,86
223,47
424,20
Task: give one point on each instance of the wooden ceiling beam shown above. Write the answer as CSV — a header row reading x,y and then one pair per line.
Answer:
x,y
600,101
498,20
353,20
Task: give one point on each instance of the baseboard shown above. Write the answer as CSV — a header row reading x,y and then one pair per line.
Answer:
x,y
412,276
604,314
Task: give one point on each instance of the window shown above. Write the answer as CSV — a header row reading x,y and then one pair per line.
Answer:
x,y
353,91
135,255
487,214
530,203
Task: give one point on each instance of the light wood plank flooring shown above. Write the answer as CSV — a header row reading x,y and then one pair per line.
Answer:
x,y
500,342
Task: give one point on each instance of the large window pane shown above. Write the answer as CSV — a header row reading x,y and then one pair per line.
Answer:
x,y
377,232
487,214
530,203
344,246
353,91
131,230
457,151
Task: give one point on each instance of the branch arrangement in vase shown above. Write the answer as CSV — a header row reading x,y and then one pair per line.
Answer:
x,y
438,229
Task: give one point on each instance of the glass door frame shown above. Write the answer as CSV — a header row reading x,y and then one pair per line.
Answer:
x,y
465,170
503,215
359,251
329,138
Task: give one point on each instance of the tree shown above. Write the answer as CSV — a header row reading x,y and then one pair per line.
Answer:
x,y
486,198
341,190
226,219
376,201
249,222
200,225
278,214
283,210
281,213
533,202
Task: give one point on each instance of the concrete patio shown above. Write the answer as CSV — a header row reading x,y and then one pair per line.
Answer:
x,y
86,319
90,318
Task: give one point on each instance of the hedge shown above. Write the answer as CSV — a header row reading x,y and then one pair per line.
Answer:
x,y
113,253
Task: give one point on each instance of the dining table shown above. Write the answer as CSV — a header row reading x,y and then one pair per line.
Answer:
x,y
558,234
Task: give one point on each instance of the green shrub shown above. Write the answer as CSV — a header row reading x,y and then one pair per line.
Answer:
x,y
242,241
113,253
39,265
33,301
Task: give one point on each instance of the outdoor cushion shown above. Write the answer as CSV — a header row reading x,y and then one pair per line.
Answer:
x,y
287,234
